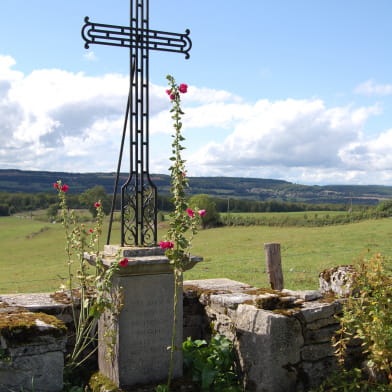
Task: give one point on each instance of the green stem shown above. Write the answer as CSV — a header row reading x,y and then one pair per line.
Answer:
x,y
177,280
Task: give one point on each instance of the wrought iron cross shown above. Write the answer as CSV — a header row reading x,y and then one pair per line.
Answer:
x,y
138,193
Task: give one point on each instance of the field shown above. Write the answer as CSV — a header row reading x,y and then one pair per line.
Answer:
x,y
32,257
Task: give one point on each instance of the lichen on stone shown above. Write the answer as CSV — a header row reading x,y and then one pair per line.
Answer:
x,y
17,324
199,291
100,383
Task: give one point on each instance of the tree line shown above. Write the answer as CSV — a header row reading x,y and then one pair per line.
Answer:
x,y
11,203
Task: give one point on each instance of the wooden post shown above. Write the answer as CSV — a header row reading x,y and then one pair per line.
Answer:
x,y
274,265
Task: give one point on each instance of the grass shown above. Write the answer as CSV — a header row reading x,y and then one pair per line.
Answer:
x,y
32,257
238,252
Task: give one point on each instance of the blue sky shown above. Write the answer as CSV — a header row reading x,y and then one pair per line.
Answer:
x,y
296,90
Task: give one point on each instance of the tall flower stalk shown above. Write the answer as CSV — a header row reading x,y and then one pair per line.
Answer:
x,y
88,286
184,222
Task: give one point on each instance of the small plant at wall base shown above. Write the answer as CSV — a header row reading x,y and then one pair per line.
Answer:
x,y
184,221
89,287
211,365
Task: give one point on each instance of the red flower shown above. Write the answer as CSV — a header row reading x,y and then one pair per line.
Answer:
x,y
56,185
183,88
166,244
190,212
172,97
124,262
90,230
97,204
168,92
64,188
202,212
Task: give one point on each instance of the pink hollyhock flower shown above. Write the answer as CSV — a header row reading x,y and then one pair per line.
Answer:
x,y
90,230
183,88
64,188
55,185
190,212
168,92
166,244
97,204
124,262
172,97
202,212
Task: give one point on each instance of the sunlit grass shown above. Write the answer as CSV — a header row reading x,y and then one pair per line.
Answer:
x,y
32,253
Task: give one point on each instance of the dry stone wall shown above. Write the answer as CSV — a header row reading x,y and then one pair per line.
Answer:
x,y
282,339
32,350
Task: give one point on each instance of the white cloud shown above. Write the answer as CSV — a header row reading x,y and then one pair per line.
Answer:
x,y
299,140
52,119
90,56
290,133
370,87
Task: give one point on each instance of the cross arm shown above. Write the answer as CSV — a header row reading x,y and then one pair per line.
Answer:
x,y
104,34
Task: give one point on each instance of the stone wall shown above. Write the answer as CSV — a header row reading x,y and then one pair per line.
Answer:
x,y
32,349
282,339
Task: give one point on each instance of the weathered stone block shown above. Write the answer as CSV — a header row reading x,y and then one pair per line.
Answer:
x,y
337,280
268,345
320,335
313,311
143,331
32,346
315,352
313,373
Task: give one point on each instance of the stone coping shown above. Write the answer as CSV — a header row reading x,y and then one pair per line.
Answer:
x,y
141,260
233,292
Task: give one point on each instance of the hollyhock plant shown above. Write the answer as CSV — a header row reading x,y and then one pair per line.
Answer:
x,y
183,220
97,204
92,284
202,212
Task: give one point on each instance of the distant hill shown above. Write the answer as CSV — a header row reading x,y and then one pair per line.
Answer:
x,y
224,187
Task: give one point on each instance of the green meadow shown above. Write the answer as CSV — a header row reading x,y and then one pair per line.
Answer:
x,y
32,255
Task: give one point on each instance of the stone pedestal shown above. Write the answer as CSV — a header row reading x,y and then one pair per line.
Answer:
x,y
142,330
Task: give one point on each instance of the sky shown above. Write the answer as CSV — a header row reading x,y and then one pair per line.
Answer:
x,y
293,90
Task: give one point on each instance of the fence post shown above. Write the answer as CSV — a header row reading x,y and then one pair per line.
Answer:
x,y
274,265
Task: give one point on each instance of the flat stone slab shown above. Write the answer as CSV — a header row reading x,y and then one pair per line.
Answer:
x,y
32,301
219,284
306,295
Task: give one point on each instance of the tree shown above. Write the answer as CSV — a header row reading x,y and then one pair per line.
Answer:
x,y
4,210
93,195
205,202
52,211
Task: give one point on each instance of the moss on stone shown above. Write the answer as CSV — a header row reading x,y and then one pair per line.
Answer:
x,y
64,297
287,312
266,291
17,324
199,291
100,383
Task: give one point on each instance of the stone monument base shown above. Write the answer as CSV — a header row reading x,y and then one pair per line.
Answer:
x,y
133,345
